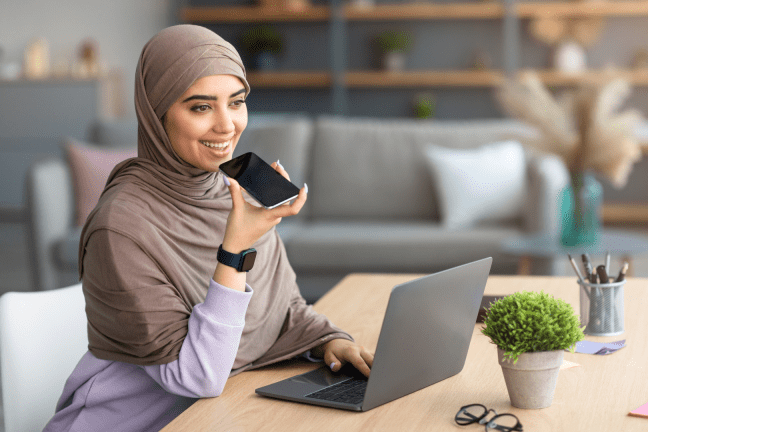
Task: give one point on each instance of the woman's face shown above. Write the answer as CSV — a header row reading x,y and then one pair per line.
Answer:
x,y
205,123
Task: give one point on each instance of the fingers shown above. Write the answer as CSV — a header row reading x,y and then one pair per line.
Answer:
x,y
351,353
279,168
292,209
332,361
236,191
361,365
367,356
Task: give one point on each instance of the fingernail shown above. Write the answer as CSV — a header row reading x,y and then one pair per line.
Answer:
x,y
306,188
333,365
279,164
226,180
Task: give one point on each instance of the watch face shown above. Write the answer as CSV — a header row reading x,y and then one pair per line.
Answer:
x,y
248,260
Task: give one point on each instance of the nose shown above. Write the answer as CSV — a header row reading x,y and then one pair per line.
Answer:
x,y
223,123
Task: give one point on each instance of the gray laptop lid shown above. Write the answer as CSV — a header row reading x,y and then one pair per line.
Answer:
x,y
426,331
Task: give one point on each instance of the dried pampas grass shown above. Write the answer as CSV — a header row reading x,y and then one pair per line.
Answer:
x,y
583,126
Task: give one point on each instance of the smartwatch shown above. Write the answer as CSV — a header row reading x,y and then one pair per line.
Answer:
x,y
241,262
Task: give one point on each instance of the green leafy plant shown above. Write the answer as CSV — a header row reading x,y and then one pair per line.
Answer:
x,y
391,40
529,322
262,38
424,106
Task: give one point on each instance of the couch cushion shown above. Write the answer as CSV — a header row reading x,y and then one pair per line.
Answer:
x,y
90,167
482,184
376,169
394,247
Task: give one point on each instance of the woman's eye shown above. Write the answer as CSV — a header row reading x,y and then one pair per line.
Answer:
x,y
200,108
238,102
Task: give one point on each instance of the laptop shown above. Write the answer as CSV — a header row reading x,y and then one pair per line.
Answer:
x,y
424,339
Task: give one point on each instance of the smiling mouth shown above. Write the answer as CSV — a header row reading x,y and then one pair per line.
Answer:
x,y
217,146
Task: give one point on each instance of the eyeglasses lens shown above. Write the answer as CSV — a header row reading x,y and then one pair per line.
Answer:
x,y
470,414
503,423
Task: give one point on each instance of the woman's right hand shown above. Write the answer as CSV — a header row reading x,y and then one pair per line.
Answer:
x,y
247,223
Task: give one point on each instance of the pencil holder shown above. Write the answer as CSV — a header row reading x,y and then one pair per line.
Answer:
x,y
601,307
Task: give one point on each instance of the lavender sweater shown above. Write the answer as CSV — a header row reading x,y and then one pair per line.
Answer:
x,y
103,395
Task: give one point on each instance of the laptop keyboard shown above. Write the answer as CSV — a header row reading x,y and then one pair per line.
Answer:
x,y
349,391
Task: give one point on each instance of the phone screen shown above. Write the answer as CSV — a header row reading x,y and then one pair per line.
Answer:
x,y
260,180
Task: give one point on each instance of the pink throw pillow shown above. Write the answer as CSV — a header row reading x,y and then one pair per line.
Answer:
x,y
90,166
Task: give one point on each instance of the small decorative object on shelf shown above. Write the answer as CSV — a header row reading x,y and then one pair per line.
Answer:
x,y
262,45
569,57
394,45
424,105
531,331
87,64
584,128
362,4
570,37
37,60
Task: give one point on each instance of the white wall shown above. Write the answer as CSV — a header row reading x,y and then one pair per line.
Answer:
x,y
121,27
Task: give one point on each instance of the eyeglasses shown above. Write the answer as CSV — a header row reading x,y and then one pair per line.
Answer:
x,y
477,413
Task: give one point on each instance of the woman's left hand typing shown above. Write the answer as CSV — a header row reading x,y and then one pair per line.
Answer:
x,y
338,352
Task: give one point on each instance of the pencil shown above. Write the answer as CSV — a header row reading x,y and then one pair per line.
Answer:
x,y
575,267
623,272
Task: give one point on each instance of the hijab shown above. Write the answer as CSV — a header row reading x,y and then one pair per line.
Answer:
x,y
148,250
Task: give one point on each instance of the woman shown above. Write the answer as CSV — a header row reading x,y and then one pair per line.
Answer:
x,y
168,321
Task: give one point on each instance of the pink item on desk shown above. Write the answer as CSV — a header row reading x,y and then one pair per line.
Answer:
x,y
641,411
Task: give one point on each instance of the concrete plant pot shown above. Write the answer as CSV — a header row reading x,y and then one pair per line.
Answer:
x,y
531,381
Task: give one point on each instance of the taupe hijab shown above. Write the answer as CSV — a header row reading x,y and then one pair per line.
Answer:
x,y
148,249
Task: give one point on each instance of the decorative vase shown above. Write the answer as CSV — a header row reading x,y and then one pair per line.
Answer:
x,y
581,212
394,61
532,380
570,57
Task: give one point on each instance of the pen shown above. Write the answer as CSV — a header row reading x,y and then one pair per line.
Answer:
x,y
608,262
602,274
587,265
623,272
593,279
575,267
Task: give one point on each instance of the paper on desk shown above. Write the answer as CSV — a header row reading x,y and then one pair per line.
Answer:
x,y
599,348
568,364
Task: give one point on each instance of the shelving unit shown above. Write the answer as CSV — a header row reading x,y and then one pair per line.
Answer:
x,y
340,79
482,10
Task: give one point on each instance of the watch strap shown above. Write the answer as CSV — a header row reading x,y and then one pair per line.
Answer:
x,y
236,261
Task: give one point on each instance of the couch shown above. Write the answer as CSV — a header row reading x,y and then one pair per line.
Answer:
x,y
372,206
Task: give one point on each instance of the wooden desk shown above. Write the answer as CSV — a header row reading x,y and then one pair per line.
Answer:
x,y
595,396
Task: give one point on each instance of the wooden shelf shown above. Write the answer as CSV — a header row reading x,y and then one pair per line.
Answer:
x,y
236,14
625,213
426,11
290,79
426,78
596,8
638,77
423,78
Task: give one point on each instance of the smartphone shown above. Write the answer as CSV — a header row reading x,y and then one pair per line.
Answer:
x,y
260,180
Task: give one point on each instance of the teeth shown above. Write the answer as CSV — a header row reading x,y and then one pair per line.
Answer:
x,y
215,145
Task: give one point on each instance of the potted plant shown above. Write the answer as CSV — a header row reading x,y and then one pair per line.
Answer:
x,y
262,44
531,331
424,106
394,45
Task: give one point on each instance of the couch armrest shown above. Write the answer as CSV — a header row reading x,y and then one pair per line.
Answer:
x,y
51,215
547,177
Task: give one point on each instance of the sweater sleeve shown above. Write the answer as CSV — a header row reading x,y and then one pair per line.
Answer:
x,y
209,349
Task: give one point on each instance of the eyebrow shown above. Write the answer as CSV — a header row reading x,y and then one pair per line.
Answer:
x,y
211,98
